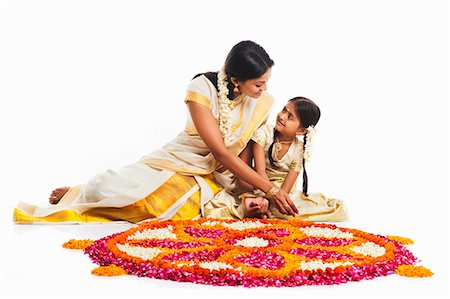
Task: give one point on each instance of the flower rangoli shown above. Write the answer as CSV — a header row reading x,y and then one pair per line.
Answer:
x,y
251,253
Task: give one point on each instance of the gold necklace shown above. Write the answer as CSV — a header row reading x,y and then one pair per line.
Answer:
x,y
236,102
278,145
284,142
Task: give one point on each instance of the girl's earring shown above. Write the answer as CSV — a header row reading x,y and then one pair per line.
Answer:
x,y
236,88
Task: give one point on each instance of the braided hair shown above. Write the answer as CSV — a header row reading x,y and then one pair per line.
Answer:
x,y
308,113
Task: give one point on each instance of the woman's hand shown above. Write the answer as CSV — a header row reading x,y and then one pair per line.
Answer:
x,y
256,207
283,203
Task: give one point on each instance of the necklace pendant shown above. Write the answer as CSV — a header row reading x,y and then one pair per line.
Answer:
x,y
277,146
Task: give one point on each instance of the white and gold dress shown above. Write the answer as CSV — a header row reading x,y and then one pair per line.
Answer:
x,y
314,207
174,182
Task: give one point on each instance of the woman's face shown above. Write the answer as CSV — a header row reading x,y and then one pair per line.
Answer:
x,y
255,87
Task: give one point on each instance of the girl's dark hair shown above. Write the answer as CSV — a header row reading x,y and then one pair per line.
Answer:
x,y
308,113
246,60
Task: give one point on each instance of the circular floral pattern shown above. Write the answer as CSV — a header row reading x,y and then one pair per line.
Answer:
x,y
252,253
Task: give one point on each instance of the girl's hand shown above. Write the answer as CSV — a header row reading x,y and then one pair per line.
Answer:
x,y
283,203
256,207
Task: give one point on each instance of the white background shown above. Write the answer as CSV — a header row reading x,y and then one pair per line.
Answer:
x,y
87,86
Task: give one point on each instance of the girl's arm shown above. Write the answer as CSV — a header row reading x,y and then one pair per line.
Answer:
x,y
207,128
260,166
289,181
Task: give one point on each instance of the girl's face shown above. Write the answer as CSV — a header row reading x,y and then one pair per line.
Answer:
x,y
255,87
288,123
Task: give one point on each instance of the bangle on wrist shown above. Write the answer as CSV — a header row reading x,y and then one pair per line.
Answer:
x,y
272,191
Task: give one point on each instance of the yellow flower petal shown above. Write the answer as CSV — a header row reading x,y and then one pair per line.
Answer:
x,y
413,271
111,270
402,240
77,244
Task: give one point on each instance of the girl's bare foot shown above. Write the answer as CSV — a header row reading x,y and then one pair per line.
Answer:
x,y
57,194
256,207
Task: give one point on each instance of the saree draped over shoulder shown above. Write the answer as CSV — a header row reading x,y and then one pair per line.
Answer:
x,y
174,182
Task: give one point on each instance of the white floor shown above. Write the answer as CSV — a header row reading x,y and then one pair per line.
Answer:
x,y
36,266
87,86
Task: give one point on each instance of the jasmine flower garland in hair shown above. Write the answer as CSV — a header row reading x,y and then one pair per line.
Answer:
x,y
224,107
309,143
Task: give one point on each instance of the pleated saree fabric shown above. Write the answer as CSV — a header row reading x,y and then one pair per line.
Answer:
x,y
174,182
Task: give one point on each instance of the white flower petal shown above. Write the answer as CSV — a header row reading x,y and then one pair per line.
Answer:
x,y
253,242
211,223
156,233
241,225
326,232
370,249
215,265
140,252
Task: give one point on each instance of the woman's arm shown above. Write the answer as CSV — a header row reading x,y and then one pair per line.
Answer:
x,y
208,130
246,156
255,206
260,159
289,181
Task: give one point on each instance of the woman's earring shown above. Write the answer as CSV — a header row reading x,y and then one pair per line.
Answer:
x,y
236,88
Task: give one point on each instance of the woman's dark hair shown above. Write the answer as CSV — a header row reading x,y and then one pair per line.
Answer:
x,y
246,60
308,113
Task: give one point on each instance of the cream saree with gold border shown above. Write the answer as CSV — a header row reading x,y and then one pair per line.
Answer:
x,y
174,182
314,207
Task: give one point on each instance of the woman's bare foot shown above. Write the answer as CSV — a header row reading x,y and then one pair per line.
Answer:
x,y
57,194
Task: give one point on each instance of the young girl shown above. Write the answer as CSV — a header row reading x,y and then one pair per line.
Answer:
x,y
280,153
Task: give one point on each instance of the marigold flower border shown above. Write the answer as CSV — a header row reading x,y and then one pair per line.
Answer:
x,y
396,258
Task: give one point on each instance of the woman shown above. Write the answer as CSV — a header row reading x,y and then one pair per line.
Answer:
x,y
178,180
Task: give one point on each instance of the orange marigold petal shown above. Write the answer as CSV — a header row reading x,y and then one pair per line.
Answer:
x,y
111,270
78,244
402,240
413,271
